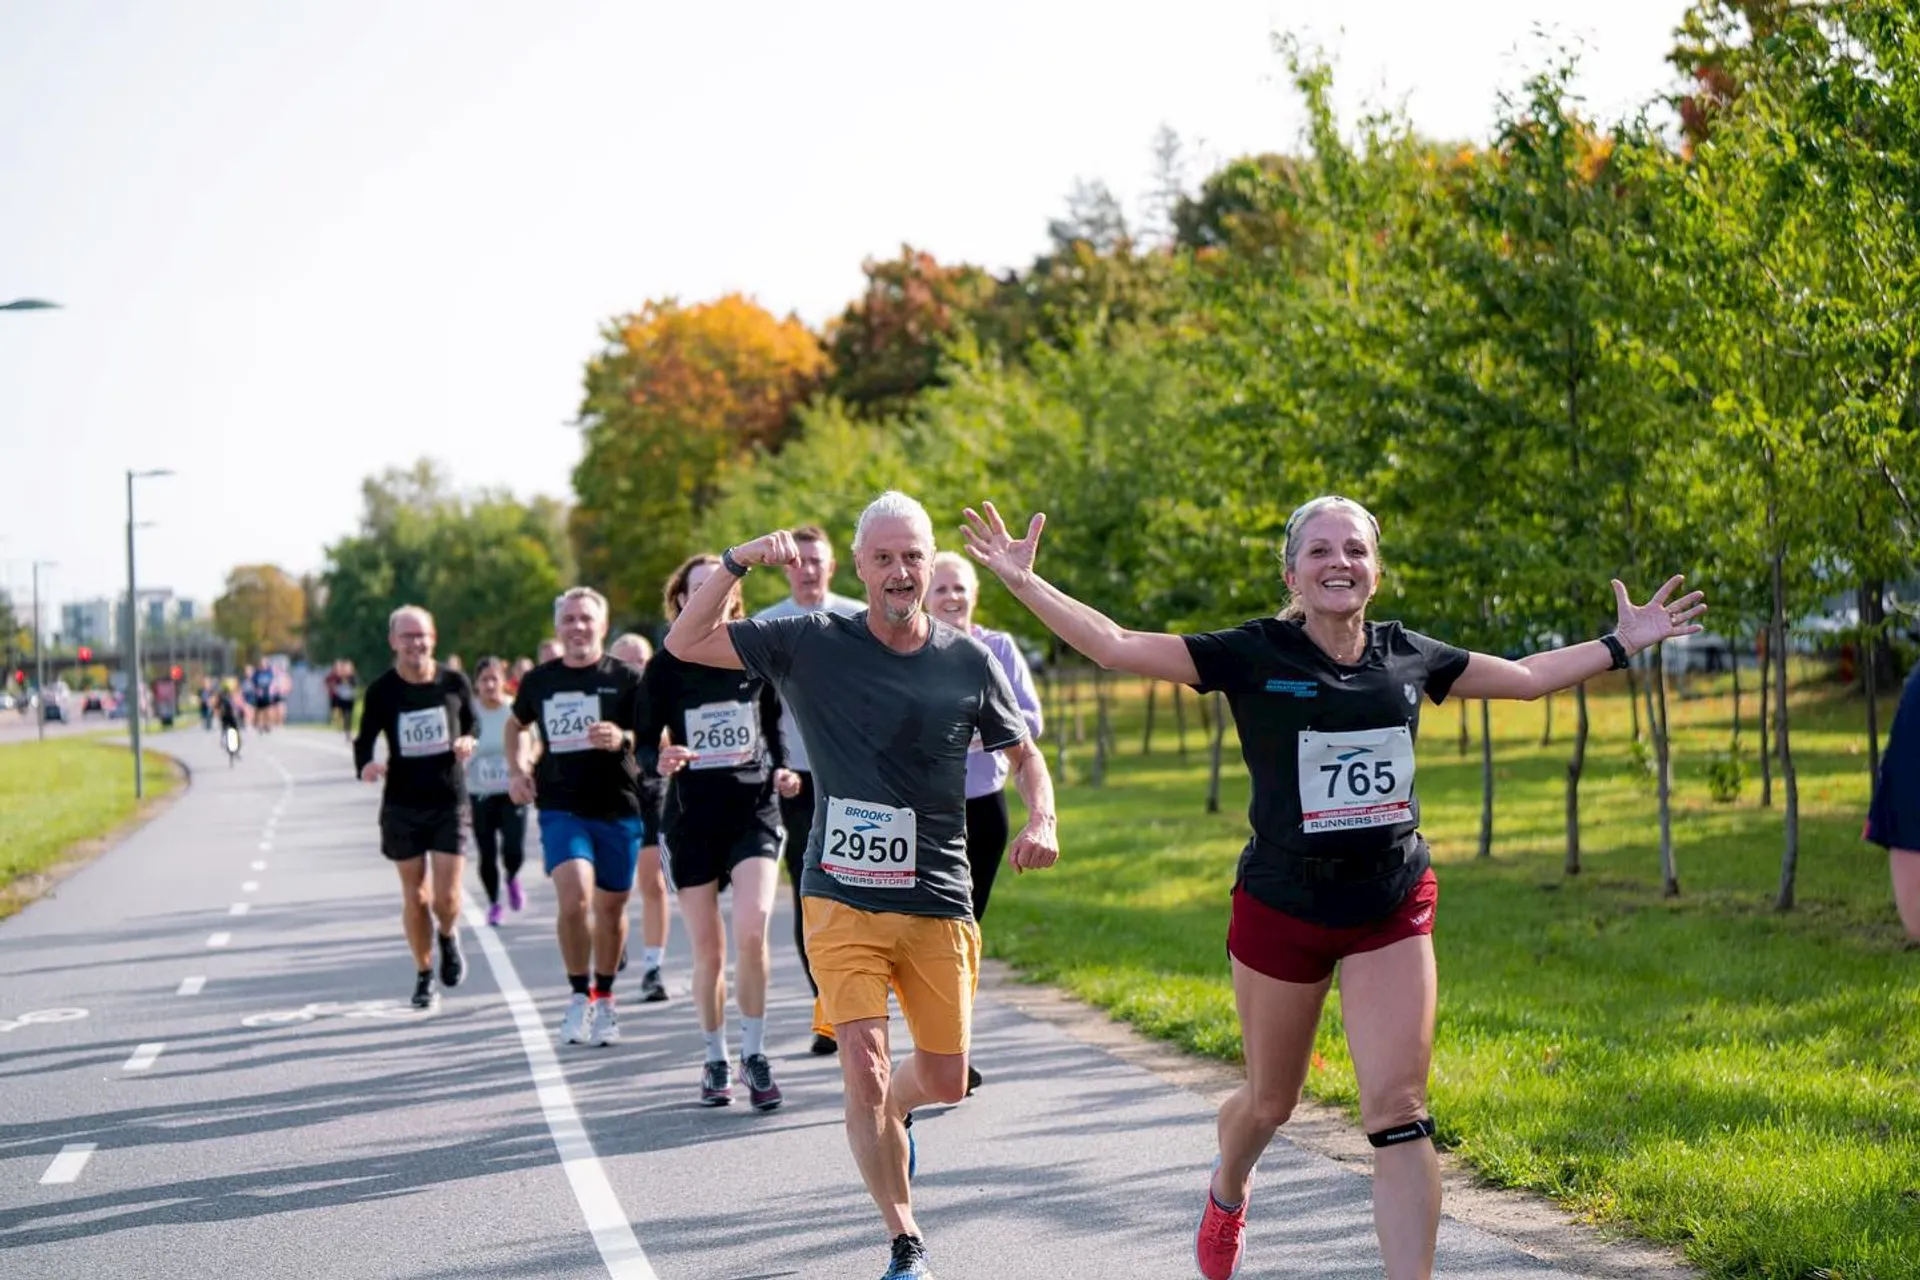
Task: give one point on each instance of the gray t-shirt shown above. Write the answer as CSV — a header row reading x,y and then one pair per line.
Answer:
x,y
889,733
789,731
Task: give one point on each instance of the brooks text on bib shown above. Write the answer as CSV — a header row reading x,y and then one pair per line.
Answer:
x,y
1361,778
870,845
724,735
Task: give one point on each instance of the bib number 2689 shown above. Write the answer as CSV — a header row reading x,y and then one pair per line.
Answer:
x,y
872,846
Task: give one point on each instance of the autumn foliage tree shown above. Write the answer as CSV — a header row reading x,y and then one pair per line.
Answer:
x,y
678,398
887,346
262,611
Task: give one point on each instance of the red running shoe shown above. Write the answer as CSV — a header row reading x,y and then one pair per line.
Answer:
x,y
1222,1240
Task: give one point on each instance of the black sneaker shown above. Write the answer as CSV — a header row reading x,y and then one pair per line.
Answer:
x,y
823,1045
423,990
909,1260
762,1092
652,989
716,1085
453,965
973,1079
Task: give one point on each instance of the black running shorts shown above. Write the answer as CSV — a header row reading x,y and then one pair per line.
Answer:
x,y
698,855
407,833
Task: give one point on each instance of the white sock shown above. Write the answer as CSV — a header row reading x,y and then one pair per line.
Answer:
x,y
753,1036
716,1044
654,955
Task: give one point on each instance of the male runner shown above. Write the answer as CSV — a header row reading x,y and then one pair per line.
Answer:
x,y
656,917
583,705
809,579
888,701
425,712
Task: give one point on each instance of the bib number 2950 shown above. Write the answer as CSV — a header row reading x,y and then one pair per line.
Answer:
x,y
871,846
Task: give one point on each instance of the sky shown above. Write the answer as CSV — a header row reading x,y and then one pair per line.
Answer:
x,y
295,245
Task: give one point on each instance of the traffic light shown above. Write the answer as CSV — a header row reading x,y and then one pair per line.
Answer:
x,y
20,676
174,673
86,653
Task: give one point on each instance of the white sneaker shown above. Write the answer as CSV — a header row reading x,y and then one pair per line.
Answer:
x,y
602,1026
573,1027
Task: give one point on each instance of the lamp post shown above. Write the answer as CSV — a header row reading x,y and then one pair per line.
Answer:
x,y
136,680
39,657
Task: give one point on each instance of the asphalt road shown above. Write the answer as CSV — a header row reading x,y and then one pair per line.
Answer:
x,y
206,1069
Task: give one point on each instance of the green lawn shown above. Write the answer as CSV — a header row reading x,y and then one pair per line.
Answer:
x,y
57,793
1716,1074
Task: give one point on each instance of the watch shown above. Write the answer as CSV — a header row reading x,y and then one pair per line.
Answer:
x,y
731,565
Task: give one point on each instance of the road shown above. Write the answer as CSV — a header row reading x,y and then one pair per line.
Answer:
x,y
226,1105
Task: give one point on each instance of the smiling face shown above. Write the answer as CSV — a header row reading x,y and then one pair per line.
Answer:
x,y
411,636
582,629
1334,569
954,591
895,564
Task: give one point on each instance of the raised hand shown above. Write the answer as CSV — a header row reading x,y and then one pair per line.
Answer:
x,y
1011,559
1641,626
776,548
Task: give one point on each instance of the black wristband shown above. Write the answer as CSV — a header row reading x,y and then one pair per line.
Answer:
x,y
1618,650
731,565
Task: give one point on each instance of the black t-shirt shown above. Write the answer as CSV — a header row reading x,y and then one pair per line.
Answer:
x,y
1893,818
732,718
1336,837
420,722
561,703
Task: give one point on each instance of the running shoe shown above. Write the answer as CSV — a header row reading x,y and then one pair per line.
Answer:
x,y
603,1026
573,1027
1222,1239
913,1148
716,1085
493,915
423,996
973,1079
909,1260
652,989
453,965
823,1044
516,896
762,1092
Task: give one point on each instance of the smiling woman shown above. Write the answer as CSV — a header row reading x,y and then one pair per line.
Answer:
x,y
58,799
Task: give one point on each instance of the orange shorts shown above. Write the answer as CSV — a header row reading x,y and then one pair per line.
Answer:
x,y
931,962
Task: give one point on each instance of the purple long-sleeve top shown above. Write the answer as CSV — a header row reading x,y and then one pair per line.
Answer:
x,y
987,770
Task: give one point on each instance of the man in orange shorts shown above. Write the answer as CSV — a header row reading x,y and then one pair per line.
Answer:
x,y
887,700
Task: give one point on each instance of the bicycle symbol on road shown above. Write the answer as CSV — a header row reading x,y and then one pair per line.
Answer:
x,y
41,1015
388,1009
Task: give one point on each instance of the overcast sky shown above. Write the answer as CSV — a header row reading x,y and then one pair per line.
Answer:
x,y
296,244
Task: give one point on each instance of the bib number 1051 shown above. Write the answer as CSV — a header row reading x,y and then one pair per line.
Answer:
x,y
1361,778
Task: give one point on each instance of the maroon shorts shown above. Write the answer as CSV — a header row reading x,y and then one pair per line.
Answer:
x,y
1292,950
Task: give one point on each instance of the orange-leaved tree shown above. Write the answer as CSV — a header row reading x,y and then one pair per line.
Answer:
x,y
678,397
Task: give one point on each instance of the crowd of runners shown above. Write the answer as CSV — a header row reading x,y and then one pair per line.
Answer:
x,y
867,745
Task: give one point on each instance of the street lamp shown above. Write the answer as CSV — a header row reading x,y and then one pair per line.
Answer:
x,y
29,304
133,634
39,657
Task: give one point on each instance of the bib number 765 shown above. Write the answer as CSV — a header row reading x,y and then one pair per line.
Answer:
x,y
1357,779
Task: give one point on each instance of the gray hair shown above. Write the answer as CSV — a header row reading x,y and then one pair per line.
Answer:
x,y
578,593
393,619
635,643
891,505
959,564
1290,551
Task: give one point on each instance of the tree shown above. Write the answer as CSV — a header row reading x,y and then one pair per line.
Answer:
x,y
678,399
262,611
888,345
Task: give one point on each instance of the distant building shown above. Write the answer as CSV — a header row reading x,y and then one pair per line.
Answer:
x,y
95,623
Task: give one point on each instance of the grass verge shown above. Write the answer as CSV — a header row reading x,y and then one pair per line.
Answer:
x,y
1715,1074
57,795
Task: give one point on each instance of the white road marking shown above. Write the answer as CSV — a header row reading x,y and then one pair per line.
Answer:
x,y
238,909
191,986
144,1056
67,1165
612,1231
219,939
257,865
249,886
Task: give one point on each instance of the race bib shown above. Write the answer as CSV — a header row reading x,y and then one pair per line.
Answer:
x,y
567,717
725,735
1363,778
487,775
424,733
870,846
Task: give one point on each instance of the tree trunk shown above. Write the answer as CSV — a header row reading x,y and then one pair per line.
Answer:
x,y
1079,721
1870,684
1736,704
1180,721
1102,737
1646,698
1633,702
1663,761
1575,766
1486,779
1546,734
1790,854
1146,735
1219,733
1766,725
1466,738
1061,739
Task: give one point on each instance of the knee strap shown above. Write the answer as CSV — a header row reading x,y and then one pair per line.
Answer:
x,y
1412,1131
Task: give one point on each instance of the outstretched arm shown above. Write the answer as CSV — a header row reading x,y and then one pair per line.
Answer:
x,y
1638,627
1143,653
699,634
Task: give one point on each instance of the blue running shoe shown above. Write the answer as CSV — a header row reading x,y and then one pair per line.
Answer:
x,y
909,1260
